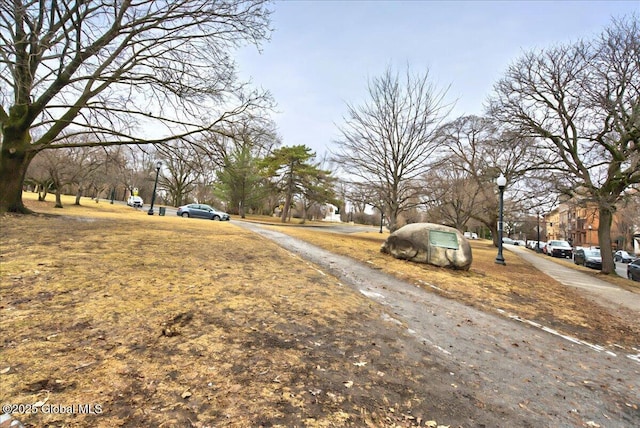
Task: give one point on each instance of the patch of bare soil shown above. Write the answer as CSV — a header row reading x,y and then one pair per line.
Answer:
x,y
125,320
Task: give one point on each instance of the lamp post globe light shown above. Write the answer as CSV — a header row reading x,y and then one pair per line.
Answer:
x,y
502,182
155,186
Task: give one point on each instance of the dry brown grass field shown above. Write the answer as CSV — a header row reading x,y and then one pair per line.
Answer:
x,y
172,322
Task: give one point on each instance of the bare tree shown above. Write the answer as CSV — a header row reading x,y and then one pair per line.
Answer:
x,y
359,195
249,132
136,172
120,168
452,196
475,151
113,69
197,165
581,102
388,141
66,167
38,176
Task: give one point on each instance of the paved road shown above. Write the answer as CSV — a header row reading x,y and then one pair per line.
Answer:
x,y
605,293
534,375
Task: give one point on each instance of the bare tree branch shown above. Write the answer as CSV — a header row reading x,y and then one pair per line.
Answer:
x,y
581,102
119,72
390,139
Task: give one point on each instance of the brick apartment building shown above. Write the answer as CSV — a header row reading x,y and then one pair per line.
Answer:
x,y
579,226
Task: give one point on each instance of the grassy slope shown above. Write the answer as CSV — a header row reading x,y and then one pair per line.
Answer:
x,y
167,321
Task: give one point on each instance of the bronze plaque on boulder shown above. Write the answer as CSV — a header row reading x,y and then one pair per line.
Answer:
x,y
443,239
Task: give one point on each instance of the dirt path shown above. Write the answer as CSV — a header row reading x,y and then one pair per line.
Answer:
x,y
530,375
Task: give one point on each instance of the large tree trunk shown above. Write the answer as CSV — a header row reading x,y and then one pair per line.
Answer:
x,y
392,220
287,200
243,197
493,228
287,207
241,210
14,161
58,197
304,213
604,238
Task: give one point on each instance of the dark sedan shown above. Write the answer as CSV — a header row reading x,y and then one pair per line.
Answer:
x,y
633,270
202,211
588,258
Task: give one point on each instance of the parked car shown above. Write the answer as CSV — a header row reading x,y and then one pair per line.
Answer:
x,y
508,241
202,211
623,256
471,235
587,257
532,245
135,201
520,243
633,270
559,249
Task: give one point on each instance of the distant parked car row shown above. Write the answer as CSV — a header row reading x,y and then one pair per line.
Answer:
x,y
590,257
554,248
514,242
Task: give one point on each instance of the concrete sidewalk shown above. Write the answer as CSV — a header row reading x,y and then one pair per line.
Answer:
x,y
601,291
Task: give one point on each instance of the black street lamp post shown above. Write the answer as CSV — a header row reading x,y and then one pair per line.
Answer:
x,y
155,186
502,182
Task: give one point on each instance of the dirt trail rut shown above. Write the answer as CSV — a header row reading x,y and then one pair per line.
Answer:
x,y
544,378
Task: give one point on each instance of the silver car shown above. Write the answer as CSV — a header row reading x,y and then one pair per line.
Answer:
x,y
623,256
202,211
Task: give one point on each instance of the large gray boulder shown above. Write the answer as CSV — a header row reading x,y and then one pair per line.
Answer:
x,y
430,243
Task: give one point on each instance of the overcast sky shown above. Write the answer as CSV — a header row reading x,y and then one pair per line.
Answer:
x,y
322,53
